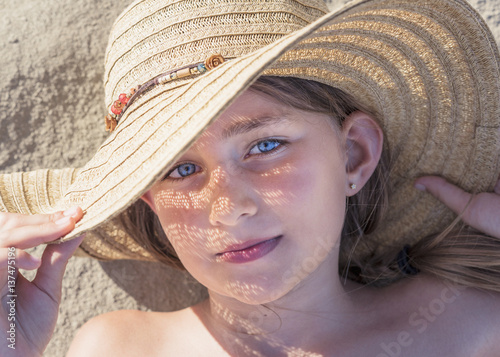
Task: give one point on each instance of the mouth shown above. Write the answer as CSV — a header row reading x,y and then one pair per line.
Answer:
x,y
248,251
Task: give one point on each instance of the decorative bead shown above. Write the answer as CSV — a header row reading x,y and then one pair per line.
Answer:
x,y
202,68
123,98
183,73
119,104
114,110
173,75
163,79
214,61
110,123
194,70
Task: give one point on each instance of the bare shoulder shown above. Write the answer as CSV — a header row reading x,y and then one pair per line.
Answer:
x,y
117,333
468,317
482,312
138,333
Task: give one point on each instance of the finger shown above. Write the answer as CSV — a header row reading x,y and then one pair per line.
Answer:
x,y
14,220
54,260
32,235
452,196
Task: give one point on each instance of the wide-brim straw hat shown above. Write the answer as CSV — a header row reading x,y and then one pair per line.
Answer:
x,y
428,71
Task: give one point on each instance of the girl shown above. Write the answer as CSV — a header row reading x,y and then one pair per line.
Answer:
x,y
266,190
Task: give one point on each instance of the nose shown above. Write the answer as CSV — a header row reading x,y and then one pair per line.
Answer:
x,y
232,198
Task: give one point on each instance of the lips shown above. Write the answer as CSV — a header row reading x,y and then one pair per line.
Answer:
x,y
248,251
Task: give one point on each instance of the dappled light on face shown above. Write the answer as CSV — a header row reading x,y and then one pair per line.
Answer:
x,y
191,199
195,239
282,170
203,197
246,291
221,207
220,196
276,197
171,199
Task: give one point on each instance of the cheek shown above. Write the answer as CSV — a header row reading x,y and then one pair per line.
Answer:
x,y
181,219
311,199
303,181
278,187
176,200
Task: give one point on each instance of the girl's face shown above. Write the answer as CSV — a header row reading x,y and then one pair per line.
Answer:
x,y
257,203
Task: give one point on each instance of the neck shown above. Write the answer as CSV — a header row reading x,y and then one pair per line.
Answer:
x,y
299,322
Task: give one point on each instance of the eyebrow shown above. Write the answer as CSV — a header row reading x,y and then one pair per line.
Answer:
x,y
250,124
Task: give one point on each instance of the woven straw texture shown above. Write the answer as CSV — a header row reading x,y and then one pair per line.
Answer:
x,y
428,70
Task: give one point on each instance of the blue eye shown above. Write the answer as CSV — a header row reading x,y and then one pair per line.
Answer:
x,y
265,146
181,171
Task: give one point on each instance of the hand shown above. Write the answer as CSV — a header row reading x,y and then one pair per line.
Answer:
x,y
37,302
483,211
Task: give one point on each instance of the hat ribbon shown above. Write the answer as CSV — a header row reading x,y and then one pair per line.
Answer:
x,y
125,100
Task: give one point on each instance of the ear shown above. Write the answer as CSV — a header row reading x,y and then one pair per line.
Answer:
x,y
148,198
363,140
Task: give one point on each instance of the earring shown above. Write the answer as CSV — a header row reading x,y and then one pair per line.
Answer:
x,y
352,186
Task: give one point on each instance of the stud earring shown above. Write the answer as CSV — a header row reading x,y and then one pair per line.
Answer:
x,y
352,186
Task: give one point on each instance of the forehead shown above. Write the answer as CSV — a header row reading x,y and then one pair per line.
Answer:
x,y
248,112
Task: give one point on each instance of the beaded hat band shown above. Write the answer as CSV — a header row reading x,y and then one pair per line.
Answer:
x,y
124,100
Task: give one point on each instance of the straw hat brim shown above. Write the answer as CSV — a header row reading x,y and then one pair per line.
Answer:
x,y
429,71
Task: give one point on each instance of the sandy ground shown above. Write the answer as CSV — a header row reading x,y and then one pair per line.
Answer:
x,y
51,116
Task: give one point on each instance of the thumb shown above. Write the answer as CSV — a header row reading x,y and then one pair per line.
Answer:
x,y
54,260
480,211
452,196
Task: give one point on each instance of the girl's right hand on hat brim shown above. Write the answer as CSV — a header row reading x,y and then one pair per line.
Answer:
x,y
29,308
481,211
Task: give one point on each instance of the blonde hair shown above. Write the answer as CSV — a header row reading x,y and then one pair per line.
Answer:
x,y
458,254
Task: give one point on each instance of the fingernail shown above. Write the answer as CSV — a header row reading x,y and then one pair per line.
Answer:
x,y
420,187
63,221
73,211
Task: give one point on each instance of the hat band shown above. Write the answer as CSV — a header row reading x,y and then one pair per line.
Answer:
x,y
125,100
